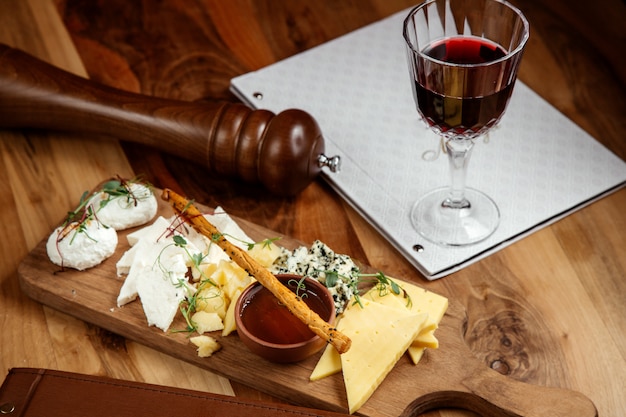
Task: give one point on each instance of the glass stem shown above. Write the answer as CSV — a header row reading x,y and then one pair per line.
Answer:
x,y
459,150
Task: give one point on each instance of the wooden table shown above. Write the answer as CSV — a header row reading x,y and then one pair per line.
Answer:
x,y
548,310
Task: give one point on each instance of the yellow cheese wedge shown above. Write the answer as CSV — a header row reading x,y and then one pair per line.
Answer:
x,y
389,299
380,335
422,301
416,353
426,340
328,364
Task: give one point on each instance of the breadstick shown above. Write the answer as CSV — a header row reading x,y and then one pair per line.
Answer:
x,y
298,307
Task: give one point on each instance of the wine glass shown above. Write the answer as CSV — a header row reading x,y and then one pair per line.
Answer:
x,y
463,58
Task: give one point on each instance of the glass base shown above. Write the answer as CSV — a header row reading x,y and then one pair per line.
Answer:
x,y
451,226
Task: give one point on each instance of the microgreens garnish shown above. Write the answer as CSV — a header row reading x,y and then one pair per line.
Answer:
x,y
85,212
121,188
300,287
382,283
266,243
76,222
189,305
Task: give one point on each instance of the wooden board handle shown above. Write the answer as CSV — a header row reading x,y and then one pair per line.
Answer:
x,y
488,393
284,152
458,379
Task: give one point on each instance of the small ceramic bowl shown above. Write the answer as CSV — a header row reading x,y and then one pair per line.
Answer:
x,y
271,331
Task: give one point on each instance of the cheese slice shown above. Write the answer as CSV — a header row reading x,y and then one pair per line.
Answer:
x,y
421,301
151,232
380,335
426,340
328,364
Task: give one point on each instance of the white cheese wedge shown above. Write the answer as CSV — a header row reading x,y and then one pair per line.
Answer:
x,y
123,264
160,286
229,228
151,232
380,335
128,291
157,276
83,249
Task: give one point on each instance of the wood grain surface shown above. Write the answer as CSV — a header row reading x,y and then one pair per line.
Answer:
x,y
548,310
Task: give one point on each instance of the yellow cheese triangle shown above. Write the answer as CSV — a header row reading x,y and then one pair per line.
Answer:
x,y
422,301
389,299
380,335
328,364
426,340
433,304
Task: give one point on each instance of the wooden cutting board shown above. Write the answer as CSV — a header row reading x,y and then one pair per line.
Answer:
x,y
446,377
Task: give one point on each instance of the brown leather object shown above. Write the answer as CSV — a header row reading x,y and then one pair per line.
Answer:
x,y
28,392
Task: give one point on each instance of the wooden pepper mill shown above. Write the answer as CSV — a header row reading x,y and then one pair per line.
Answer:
x,y
284,152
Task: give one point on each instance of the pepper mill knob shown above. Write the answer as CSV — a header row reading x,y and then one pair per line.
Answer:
x,y
333,163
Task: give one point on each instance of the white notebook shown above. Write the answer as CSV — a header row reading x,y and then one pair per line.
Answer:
x,y
537,165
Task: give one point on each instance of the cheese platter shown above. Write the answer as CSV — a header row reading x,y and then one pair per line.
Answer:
x,y
449,376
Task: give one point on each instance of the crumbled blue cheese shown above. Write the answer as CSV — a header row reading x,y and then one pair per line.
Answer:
x,y
316,262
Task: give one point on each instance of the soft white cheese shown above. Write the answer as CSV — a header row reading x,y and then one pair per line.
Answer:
x,y
125,211
81,248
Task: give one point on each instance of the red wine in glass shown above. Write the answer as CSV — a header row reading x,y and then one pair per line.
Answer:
x,y
454,109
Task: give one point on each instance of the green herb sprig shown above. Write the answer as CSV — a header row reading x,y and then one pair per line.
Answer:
x,y
382,282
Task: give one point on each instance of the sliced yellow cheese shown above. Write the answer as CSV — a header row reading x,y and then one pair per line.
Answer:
x,y
229,320
380,335
416,353
387,298
328,364
426,340
423,301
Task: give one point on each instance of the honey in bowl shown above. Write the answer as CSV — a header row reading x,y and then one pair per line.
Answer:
x,y
270,330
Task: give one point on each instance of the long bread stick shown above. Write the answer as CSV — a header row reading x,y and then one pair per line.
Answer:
x,y
298,307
